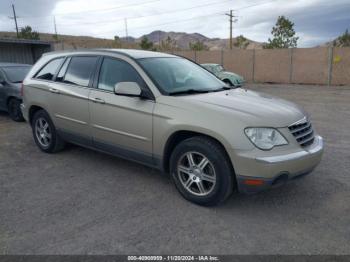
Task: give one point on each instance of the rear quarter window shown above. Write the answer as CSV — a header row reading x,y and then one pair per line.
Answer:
x,y
50,69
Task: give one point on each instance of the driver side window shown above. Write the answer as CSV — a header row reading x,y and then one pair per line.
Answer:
x,y
114,71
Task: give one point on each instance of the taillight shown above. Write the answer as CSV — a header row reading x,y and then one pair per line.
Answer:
x,y
22,87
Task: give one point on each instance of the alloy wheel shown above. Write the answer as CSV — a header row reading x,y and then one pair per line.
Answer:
x,y
196,173
43,132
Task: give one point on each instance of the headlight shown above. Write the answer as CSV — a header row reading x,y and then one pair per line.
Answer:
x,y
265,138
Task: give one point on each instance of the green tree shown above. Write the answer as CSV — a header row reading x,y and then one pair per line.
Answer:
x,y
28,33
198,46
283,34
146,44
167,44
344,39
116,43
241,42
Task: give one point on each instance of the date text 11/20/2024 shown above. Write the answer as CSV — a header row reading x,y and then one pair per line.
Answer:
x,y
173,258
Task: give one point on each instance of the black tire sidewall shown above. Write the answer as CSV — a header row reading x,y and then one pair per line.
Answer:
x,y
15,115
213,152
51,147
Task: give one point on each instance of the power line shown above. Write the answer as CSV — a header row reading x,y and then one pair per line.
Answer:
x,y
98,10
177,21
172,11
143,16
257,4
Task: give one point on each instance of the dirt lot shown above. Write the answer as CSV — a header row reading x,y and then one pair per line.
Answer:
x,y
83,202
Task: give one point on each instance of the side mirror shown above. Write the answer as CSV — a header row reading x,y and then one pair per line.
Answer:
x,y
127,89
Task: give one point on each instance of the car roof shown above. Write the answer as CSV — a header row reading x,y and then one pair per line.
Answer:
x,y
12,64
210,64
133,53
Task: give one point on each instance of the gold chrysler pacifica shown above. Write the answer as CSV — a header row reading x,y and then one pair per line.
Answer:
x,y
169,113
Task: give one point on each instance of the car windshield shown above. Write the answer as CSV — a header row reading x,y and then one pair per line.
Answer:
x,y
219,68
16,74
175,75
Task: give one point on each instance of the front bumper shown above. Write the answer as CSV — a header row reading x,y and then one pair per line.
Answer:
x,y
261,173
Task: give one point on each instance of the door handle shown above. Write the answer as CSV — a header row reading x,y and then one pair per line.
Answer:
x,y
54,90
97,100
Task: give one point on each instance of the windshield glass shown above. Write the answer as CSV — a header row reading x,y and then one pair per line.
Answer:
x,y
219,68
16,74
175,75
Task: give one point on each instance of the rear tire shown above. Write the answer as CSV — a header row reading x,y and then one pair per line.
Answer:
x,y
14,110
45,134
201,171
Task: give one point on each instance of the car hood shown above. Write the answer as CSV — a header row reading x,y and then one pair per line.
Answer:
x,y
231,74
253,108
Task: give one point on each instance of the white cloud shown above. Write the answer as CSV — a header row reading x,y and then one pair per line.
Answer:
x,y
315,20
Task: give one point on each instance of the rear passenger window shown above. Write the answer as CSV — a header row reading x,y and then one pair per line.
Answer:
x,y
80,70
49,70
114,71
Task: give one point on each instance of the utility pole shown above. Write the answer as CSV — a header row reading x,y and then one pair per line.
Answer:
x,y
55,27
126,29
54,24
231,15
15,18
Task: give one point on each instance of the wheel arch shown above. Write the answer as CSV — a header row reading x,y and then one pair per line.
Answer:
x,y
12,97
181,135
32,110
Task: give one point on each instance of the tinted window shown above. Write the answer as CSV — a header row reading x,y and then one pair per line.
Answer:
x,y
16,74
48,71
114,71
80,70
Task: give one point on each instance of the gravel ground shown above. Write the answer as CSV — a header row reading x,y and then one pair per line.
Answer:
x,y
83,202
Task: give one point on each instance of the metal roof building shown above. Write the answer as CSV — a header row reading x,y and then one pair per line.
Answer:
x,y
22,50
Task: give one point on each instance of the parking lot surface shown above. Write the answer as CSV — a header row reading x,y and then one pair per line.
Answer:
x,y
84,202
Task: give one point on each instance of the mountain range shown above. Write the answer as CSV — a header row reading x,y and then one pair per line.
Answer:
x,y
183,40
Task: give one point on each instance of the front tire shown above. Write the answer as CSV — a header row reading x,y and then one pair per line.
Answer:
x,y
201,171
14,110
45,134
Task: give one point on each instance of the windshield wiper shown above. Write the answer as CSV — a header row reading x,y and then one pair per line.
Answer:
x,y
223,88
189,91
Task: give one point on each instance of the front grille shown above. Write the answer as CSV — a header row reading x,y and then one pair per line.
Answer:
x,y
303,132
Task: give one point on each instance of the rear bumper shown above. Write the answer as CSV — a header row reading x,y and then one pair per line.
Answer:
x,y
24,112
273,171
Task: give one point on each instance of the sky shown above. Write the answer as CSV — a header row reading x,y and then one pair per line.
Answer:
x,y
316,21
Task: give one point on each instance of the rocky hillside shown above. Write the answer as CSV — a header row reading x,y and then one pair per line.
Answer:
x,y
182,41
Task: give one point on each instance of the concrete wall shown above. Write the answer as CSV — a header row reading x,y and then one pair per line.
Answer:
x,y
209,57
272,65
299,65
341,66
310,66
240,62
